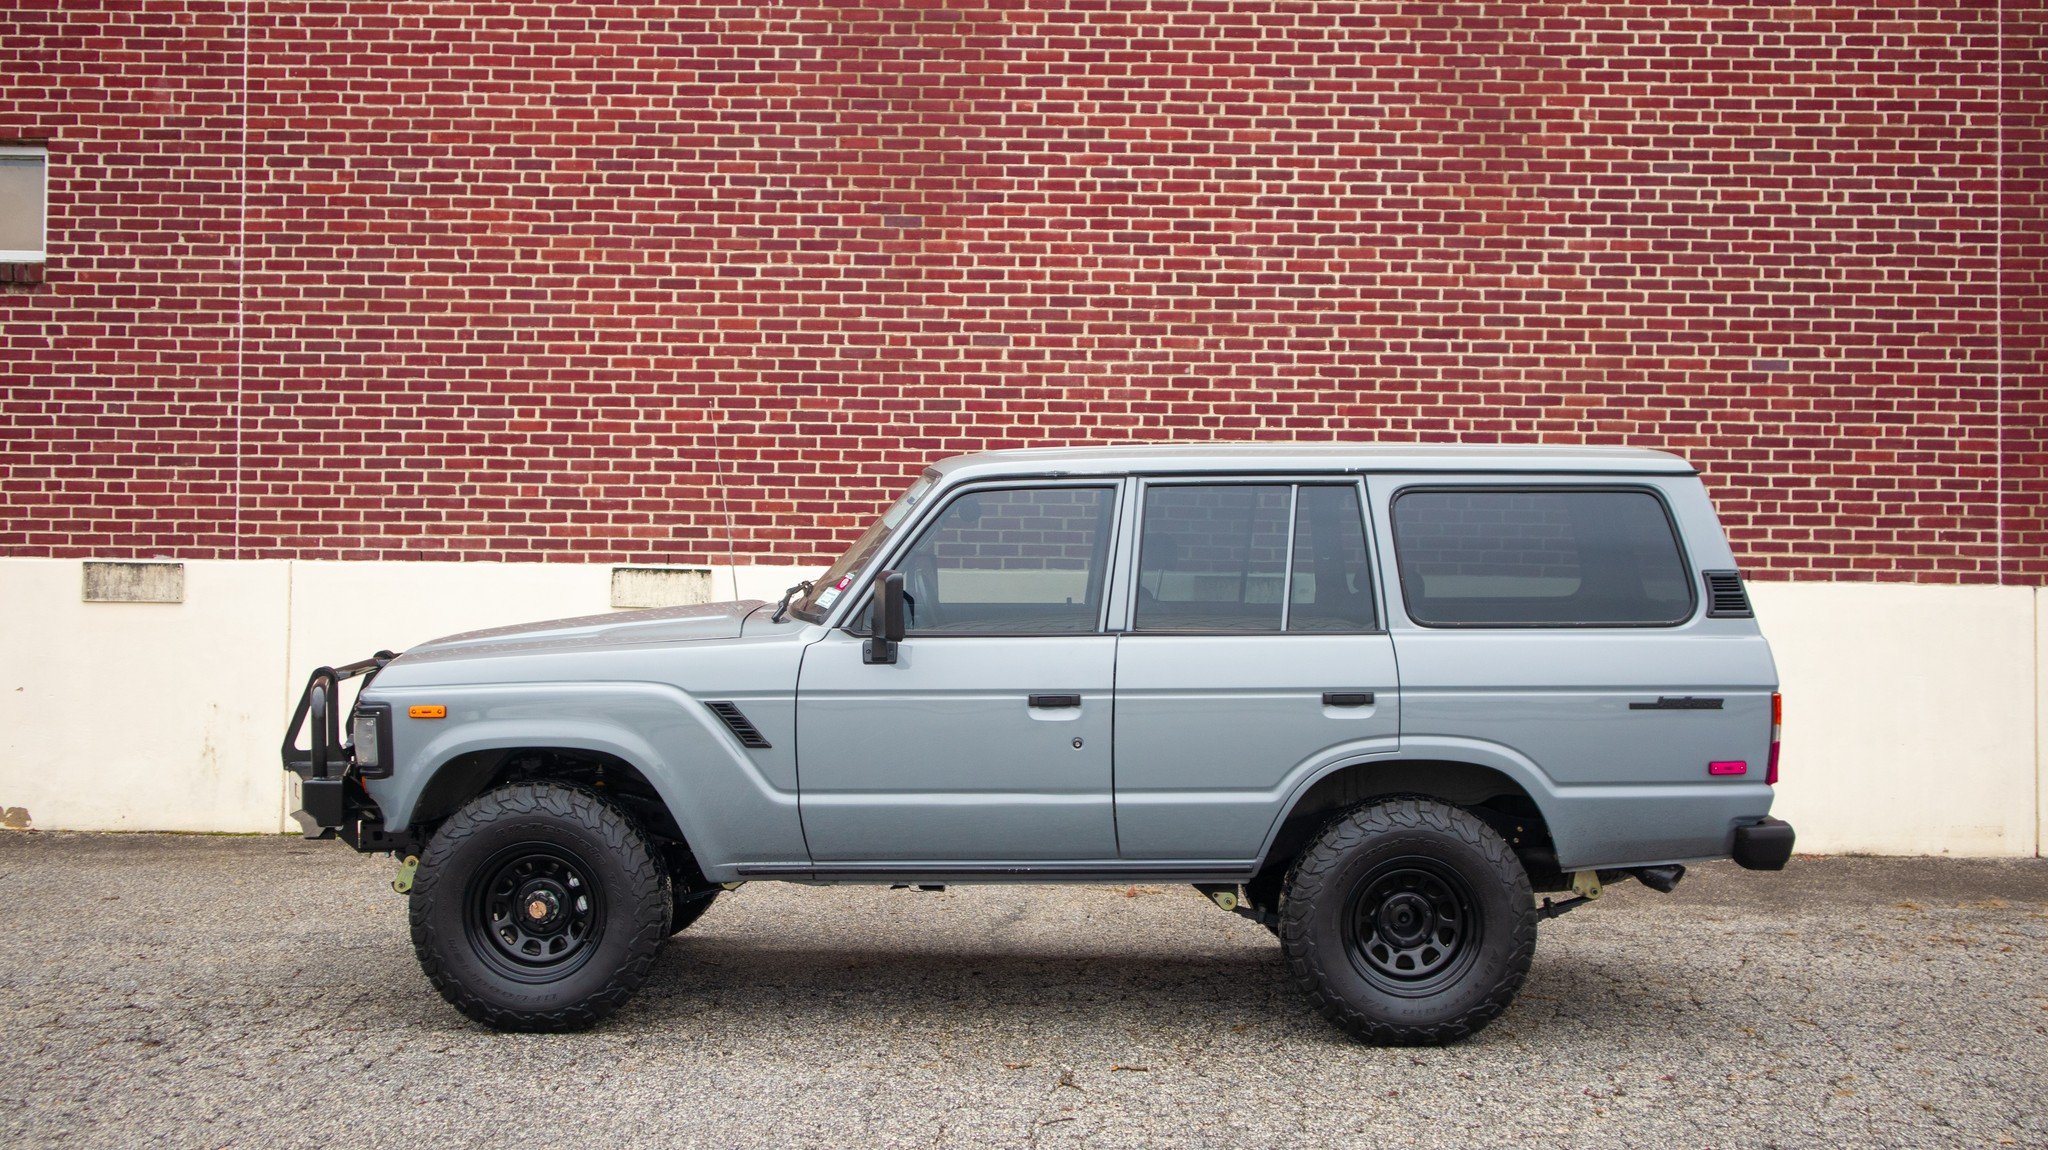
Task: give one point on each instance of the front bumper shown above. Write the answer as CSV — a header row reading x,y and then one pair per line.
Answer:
x,y
332,800
1765,845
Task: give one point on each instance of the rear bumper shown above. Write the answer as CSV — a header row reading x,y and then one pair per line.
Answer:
x,y
1764,845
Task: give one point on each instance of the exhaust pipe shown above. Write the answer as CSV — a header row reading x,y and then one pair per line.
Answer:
x,y
1659,878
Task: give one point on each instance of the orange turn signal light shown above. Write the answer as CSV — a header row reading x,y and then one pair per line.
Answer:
x,y
429,711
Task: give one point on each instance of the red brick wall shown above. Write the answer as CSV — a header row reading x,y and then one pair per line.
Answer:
x,y
521,281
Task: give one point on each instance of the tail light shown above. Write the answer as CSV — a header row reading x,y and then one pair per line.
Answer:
x,y
1777,732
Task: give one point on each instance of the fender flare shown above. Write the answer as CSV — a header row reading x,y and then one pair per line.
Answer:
x,y
1498,757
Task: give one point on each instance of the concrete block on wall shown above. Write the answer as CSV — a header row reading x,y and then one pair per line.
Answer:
x,y
133,582
660,586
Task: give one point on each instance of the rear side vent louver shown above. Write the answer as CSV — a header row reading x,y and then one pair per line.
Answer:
x,y
749,735
1725,597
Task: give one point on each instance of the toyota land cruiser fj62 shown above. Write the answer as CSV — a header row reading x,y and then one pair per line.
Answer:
x,y
1377,699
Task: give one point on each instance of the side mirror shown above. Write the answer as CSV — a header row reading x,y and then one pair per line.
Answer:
x,y
885,614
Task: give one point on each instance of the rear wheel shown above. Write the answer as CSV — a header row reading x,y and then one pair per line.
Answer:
x,y
1408,922
538,907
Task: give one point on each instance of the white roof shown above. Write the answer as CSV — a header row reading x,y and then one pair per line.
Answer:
x,y
1177,458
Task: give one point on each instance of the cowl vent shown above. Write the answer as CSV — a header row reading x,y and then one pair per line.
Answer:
x,y
1725,597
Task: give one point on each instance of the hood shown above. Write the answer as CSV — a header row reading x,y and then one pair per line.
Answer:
x,y
614,629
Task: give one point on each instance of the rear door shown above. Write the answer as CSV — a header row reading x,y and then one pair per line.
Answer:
x,y
1254,656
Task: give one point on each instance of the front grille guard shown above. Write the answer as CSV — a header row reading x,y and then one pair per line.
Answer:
x,y
326,756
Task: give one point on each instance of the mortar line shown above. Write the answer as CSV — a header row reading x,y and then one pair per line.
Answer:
x,y
241,297
1998,306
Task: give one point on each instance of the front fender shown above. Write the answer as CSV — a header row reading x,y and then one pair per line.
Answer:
x,y
725,798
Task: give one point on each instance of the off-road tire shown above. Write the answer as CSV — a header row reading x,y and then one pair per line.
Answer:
x,y
592,847
1389,882
689,907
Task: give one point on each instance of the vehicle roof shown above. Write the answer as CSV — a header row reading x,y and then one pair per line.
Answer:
x,y
1179,458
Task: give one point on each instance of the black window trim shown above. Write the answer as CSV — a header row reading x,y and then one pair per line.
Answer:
x,y
857,606
1294,482
1671,521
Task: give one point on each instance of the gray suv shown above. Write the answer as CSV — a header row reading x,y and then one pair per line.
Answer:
x,y
1375,699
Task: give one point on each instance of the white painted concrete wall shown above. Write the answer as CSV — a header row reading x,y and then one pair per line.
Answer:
x,y
1915,721
1912,716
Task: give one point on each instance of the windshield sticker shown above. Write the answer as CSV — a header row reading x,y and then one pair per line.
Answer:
x,y
831,594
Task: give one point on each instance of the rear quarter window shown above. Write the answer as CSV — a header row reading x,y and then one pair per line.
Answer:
x,y
1533,557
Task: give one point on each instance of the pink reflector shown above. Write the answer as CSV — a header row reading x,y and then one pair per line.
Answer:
x,y
1728,767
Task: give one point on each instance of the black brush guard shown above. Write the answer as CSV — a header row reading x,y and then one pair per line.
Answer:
x,y
332,799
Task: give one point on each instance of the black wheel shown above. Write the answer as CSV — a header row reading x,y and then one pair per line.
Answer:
x,y
538,907
689,907
1408,922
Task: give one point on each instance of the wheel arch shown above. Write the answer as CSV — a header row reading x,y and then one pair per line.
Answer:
x,y
1494,792
464,776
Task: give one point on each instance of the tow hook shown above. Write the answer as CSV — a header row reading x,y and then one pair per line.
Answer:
x,y
406,869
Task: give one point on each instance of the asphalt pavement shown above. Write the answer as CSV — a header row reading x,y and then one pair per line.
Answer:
x,y
223,991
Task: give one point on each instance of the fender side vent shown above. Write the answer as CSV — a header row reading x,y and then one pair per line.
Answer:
x,y
742,727
1725,597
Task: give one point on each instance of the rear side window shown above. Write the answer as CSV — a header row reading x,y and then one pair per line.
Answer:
x,y
1539,558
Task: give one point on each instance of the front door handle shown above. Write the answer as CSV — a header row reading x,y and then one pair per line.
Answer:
x,y
1347,698
1055,700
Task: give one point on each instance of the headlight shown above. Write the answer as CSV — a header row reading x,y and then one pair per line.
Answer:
x,y
366,731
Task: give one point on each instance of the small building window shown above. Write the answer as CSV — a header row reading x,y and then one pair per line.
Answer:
x,y
24,183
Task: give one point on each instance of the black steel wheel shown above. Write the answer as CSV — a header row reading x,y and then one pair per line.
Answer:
x,y
1408,922
533,913
538,906
1413,926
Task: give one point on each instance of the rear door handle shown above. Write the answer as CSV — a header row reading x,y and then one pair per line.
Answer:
x,y
1347,698
1055,700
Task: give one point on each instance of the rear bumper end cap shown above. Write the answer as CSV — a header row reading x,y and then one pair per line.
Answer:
x,y
1764,845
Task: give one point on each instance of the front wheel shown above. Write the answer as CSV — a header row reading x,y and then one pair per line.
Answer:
x,y
1408,922
538,907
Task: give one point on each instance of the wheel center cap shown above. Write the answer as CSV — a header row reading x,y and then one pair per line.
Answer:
x,y
542,906
1405,919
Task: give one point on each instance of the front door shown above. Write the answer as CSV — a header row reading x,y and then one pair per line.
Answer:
x,y
988,740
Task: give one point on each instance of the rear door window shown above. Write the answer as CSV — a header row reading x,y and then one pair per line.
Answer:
x,y
1539,558
1253,557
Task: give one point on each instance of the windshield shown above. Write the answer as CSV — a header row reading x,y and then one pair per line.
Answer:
x,y
838,578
